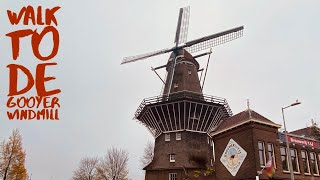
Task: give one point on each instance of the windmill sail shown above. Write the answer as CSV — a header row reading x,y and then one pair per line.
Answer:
x,y
182,26
144,56
182,47
181,36
214,40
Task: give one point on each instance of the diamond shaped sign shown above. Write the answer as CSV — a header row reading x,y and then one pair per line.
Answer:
x,y
233,157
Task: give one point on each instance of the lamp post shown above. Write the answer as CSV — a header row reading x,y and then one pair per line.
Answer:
x,y
287,140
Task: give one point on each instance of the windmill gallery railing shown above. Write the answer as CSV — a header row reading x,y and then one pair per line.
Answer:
x,y
182,110
183,95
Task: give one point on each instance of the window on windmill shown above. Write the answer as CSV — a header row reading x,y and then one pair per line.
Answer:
x,y
167,137
175,85
172,157
172,176
178,136
189,72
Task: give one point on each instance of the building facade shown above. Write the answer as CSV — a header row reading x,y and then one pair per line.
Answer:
x,y
198,137
262,141
239,148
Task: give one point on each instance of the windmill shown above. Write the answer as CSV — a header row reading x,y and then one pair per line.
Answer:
x,y
182,45
182,118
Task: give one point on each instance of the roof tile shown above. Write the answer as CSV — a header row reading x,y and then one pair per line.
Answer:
x,y
241,118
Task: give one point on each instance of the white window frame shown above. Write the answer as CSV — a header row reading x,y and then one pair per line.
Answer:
x,y
172,176
263,153
307,158
297,160
213,152
273,155
178,136
287,160
316,163
172,158
166,137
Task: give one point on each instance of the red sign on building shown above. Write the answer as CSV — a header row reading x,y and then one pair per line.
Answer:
x,y
299,140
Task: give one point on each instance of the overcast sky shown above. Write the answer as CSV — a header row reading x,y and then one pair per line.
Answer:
x,y
273,64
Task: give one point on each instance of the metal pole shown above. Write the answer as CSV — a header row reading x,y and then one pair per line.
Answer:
x,y
287,140
157,75
205,73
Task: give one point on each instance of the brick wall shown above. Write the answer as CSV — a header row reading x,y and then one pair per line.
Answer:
x,y
243,136
192,152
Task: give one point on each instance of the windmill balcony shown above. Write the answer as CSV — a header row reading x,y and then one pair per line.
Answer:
x,y
182,110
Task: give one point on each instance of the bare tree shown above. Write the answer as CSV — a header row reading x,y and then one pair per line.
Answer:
x,y
113,166
12,158
148,154
87,169
315,130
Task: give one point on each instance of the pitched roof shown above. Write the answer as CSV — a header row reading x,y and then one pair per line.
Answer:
x,y
242,118
307,132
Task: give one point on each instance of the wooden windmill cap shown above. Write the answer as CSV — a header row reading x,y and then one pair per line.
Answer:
x,y
186,57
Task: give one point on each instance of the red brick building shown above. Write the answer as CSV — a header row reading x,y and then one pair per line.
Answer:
x,y
260,138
